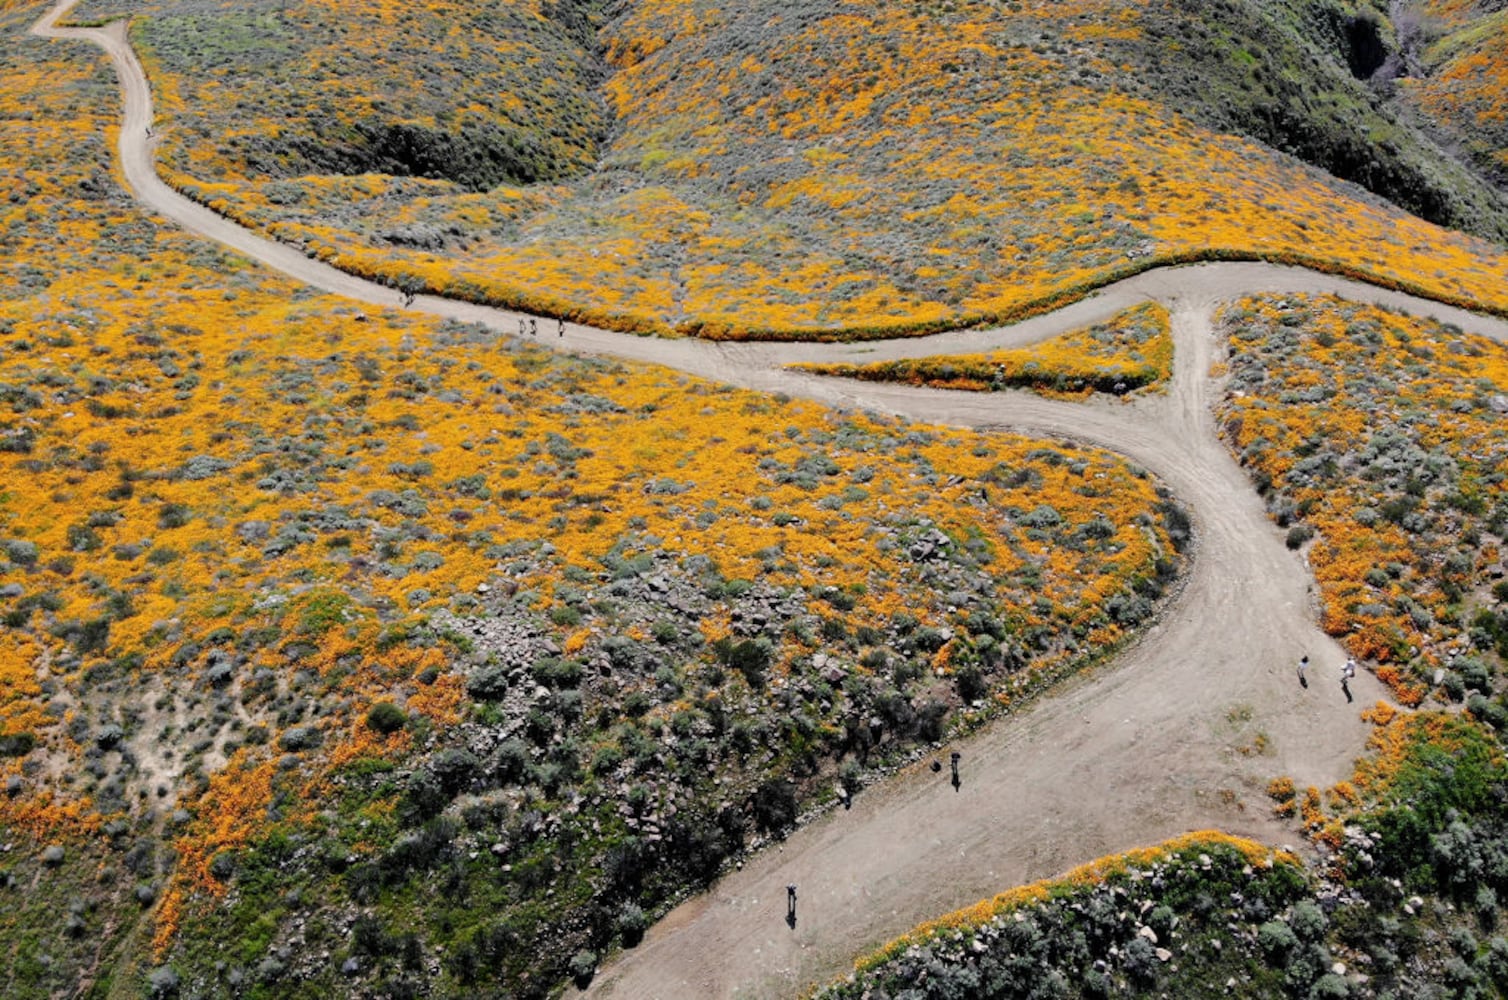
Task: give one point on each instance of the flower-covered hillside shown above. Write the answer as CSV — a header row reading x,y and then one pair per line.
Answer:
x,y
1379,436
1130,351
471,94
342,647
832,170
1465,84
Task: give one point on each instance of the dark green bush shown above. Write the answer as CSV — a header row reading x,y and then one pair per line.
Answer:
x,y
775,805
386,718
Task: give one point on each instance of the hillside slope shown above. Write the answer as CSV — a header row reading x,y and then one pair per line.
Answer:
x,y
341,635
1461,83
1311,78
801,168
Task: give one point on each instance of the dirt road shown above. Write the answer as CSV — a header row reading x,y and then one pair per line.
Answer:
x,y
1180,732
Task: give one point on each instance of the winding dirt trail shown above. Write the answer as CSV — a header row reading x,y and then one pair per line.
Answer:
x,y
1161,742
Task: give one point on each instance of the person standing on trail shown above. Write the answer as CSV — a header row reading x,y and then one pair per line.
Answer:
x,y
533,327
790,905
1303,669
1347,672
560,332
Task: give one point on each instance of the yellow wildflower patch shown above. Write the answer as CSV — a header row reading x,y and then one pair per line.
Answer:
x,y
1133,350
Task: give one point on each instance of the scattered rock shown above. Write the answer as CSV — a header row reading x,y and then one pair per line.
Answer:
x,y
252,531
931,544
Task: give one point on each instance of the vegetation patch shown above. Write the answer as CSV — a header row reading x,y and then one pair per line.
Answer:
x,y
838,171
364,653
1187,914
1463,87
1131,351
1401,900
468,94
1316,79
1376,438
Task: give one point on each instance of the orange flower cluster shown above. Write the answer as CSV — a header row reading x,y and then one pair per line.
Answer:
x,y
1133,350
1466,86
1391,473
1401,751
841,176
1398,743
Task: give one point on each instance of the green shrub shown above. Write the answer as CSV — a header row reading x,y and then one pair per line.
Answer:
x,y
1277,941
750,657
21,552
386,718
1308,921
775,805
583,966
632,923
17,744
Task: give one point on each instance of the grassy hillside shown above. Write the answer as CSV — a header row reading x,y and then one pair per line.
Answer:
x,y
823,169
473,94
349,652
1310,78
